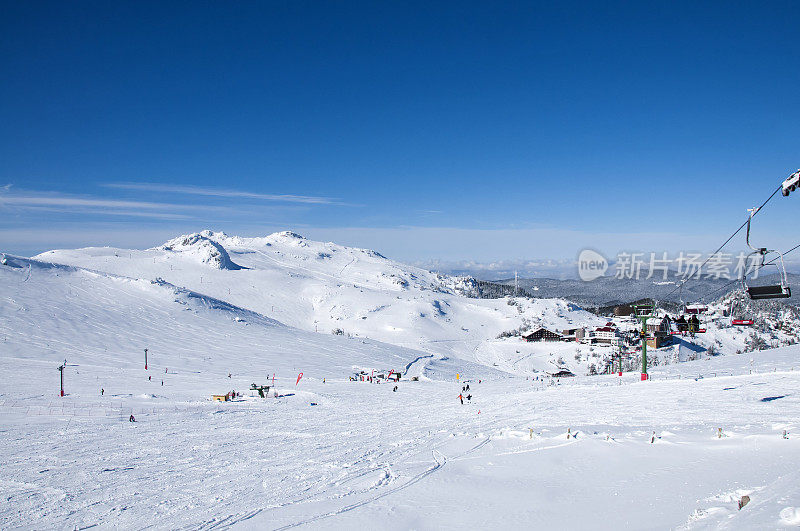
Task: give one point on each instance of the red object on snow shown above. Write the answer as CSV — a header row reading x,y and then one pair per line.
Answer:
x,y
620,373
298,379
645,376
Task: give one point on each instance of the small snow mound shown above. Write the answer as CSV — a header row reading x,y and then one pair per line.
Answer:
x,y
790,516
204,249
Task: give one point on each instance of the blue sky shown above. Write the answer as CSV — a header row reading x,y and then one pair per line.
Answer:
x,y
452,131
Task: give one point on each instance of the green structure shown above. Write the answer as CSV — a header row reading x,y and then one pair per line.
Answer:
x,y
643,312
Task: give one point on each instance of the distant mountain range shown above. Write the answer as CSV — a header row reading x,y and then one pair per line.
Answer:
x,y
610,291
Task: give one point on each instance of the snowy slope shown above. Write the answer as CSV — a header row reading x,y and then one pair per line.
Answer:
x,y
52,312
415,458
326,287
343,454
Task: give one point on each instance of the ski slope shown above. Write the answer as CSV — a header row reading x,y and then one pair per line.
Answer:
x,y
525,451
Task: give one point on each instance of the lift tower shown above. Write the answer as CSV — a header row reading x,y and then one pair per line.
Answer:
x,y
643,312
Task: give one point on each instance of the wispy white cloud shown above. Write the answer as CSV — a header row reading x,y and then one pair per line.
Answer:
x,y
217,192
111,212
27,200
6,188
70,201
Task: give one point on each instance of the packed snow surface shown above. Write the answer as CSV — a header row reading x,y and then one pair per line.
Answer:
x,y
524,451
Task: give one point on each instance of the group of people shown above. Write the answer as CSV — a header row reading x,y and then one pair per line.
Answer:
x,y
461,397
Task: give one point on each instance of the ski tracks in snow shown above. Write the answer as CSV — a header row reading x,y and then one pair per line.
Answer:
x,y
440,460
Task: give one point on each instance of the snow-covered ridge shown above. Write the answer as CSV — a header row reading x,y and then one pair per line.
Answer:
x,y
214,248
330,288
203,248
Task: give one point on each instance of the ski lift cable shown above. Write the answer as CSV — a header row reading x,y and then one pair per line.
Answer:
x,y
726,242
759,266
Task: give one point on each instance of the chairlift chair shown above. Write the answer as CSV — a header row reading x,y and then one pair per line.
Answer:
x,y
695,326
739,317
681,325
791,184
779,291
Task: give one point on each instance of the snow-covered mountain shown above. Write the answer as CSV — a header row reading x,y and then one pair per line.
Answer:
x,y
328,288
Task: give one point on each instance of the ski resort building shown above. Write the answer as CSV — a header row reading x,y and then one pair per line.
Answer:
x,y
659,332
659,326
542,334
608,335
573,334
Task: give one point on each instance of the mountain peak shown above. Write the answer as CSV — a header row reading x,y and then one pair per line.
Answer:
x,y
206,250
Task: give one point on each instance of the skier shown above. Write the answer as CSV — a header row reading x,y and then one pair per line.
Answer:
x,y
131,419
150,378
467,387
469,397
395,389
461,397
323,380
102,391
162,383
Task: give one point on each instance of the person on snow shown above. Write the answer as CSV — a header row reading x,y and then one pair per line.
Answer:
x,y
461,397
102,391
395,389
131,419
467,387
469,397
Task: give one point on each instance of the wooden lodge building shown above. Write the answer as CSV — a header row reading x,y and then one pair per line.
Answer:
x,y
542,334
